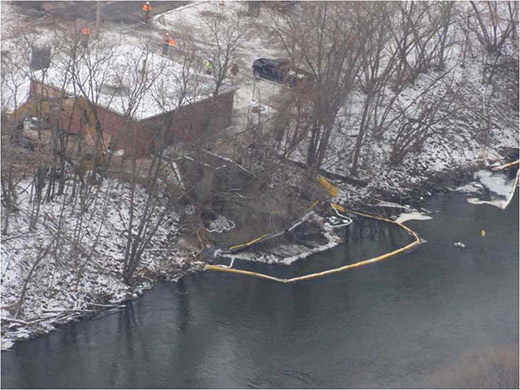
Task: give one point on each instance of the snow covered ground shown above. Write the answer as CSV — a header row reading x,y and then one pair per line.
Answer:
x,y
80,268
454,145
412,216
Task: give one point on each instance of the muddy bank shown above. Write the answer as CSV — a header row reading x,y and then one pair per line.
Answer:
x,y
408,205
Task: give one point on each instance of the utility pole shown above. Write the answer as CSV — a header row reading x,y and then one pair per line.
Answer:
x,y
98,18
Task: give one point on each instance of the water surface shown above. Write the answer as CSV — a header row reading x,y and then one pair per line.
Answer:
x,y
396,323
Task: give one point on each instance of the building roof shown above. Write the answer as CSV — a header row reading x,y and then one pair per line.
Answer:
x,y
113,78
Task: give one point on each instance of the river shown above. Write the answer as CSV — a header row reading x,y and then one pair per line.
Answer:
x,y
398,323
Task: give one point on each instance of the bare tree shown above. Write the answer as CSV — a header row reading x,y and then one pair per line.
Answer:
x,y
332,58
12,84
377,66
491,29
226,32
169,94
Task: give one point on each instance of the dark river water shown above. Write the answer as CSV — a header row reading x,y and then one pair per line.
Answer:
x,y
398,323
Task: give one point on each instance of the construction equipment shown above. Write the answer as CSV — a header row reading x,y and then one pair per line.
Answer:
x,y
31,109
331,188
97,139
45,109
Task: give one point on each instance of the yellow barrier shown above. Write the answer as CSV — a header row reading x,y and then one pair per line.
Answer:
x,y
417,241
330,187
312,205
333,190
250,242
243,272
505,166
265,235
201,244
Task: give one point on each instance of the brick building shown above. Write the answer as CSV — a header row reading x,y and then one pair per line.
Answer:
x,y
138,131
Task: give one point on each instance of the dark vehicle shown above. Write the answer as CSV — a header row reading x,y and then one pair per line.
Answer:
x,y
280,71
271,69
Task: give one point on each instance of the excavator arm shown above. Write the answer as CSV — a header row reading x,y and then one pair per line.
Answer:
x,y
42,109
93,124
98,139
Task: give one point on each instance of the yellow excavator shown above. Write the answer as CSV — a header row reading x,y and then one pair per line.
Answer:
x,y
43,110
97,137
31,109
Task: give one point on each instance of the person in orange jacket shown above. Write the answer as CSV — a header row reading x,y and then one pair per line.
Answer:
x,y
84,36
147,8
166,42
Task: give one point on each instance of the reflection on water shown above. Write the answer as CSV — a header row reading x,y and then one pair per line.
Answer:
x,y
397,323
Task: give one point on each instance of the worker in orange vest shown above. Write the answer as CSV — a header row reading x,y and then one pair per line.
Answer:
x,y
84,36
166,43
147,8
172,42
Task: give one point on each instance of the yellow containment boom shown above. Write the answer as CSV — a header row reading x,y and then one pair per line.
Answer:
x,y
416,241
266,236
505,166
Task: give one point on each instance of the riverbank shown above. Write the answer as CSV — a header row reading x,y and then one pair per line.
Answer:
x,y
65,260
474,180
75,285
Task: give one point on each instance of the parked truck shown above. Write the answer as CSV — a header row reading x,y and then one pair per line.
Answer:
x,y
281,71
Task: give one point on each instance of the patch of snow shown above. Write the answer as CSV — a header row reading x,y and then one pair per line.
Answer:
x,y
220,224
7,344
501,187
468,188
299,252
391,205
498,183
497,203
413,216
